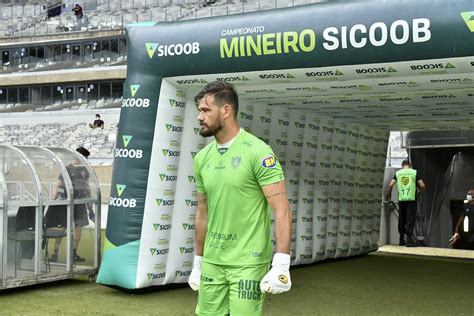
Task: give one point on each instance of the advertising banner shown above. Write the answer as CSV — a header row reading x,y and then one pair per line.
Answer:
x,y
357,144
278,141
376,65
319,36
294,151
346,200
160,198
245,116
262,120
335,163
304,219
181,245
322,190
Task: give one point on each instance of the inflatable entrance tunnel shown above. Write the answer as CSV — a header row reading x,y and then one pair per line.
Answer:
x,y
323,84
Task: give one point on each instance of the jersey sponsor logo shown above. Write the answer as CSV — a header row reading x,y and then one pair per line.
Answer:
x,y
206,278
249,290
269,161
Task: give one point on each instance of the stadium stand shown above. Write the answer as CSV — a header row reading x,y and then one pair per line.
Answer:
x,y
110,14
35,40
60,105
61,129
94,49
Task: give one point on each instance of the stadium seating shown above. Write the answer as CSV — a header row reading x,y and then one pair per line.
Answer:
x,y
99,142
110,14
31,19
60,105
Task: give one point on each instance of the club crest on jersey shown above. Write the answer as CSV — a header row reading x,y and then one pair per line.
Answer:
x,y
405,180
268,161
236,162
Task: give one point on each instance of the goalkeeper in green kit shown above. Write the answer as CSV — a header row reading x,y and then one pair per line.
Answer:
x,y
238,179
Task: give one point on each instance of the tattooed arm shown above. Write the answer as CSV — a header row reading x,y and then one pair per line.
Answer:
x,y
275,194
201,223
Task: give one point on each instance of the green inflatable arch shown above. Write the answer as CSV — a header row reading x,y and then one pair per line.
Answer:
x,y
323,84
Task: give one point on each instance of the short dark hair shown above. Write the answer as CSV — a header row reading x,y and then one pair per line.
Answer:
x,y
97,115
83,151
223,92
406,162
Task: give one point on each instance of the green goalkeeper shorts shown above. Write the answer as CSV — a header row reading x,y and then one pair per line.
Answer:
x,y
231,290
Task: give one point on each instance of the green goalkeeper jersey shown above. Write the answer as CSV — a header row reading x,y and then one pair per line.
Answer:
x,y
238,227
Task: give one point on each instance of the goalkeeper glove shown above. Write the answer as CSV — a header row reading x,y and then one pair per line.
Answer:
x,y
277,280
195,276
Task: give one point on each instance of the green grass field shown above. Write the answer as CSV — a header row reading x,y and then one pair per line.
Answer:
x,y
374,284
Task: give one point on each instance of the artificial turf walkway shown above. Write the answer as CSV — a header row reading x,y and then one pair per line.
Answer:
x,y
374,284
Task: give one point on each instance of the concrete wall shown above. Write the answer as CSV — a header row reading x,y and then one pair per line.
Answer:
x,y
104,174
59,37
63,76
